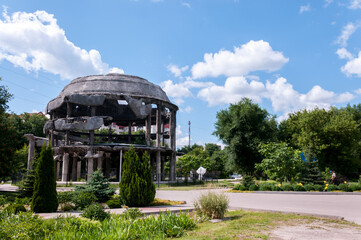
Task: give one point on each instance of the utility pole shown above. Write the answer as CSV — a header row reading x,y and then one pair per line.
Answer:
x,y
189,133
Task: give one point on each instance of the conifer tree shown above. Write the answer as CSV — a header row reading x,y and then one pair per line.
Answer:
x,y
45,196
136,186
311,173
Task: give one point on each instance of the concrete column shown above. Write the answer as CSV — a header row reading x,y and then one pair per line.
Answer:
x,y
158,126
172,130
68,115
107,164
90,167
148,128
31,150
64,175
57,170
74,169
100,160
78,170
158,167
172,169
91,132
162,168
129,132
120,164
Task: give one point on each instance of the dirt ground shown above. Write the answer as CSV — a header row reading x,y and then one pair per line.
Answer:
x,y
317,230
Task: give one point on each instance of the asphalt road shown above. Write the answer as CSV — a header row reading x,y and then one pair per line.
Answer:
x,y
342,206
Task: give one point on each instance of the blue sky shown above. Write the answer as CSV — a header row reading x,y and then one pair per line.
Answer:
x,y
286,55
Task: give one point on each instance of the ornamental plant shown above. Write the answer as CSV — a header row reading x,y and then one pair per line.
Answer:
x,y
212,205
136,185
45,196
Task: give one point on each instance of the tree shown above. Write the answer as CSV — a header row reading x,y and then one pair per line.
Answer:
x,y
186,149
136,185
45,196
280,162
333,137
5,97
243,126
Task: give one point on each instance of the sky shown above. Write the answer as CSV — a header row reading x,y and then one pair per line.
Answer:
x,y
285,55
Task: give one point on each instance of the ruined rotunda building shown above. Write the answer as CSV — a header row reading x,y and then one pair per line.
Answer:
x,y
96,119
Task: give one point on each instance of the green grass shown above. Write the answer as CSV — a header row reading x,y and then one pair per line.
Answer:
x,y
208,185
252,225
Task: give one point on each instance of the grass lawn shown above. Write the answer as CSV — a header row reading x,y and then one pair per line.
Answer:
x,y
254,225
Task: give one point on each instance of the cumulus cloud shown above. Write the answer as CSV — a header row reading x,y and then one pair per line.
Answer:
x,y
250,57
187,109
358,91
353,66
34,41
346,33
281,94
328,2
305,8
181,139
355,4
176,91
175,70
344,54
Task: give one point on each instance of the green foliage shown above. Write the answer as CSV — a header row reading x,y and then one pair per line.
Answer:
x,y
299,188
318,187
65,197
247,181
331,136
95,212
243,126
186,149
132,213
98,185
265,187
345,187
83,199
26,188
136,186
212,205
45,196
287,187
254,187
310,173
355,187
332,187
276,188
114,203
280,162
309,187
15,208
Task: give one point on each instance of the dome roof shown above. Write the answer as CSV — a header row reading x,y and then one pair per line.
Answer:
x,y
110,86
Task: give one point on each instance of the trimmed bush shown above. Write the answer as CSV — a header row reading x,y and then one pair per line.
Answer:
x,y
332,187
236,187
265,187
276,188
45,196
253,187
136,186
114,203
65,197
95,212
355,187
132,213
247,181
344,187
212,205
83,199
98,185
309,187
15,208
299,188
318,187
287,188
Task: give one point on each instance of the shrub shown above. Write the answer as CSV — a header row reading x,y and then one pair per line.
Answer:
x,y
212,205
332,187
309,187
299,188
136,185
287,187
318,187
15,208
132,213
66,207
65,197
247,181
114,203
345,187
276,188
253,187
355,187
236,187
95,212
45,197
265,187
83,199
99,186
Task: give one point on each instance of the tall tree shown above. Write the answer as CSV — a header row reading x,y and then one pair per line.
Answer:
x,y
45,196
243,126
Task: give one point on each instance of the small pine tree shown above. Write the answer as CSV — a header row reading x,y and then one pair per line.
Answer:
x,y
45,196
311,173
136,186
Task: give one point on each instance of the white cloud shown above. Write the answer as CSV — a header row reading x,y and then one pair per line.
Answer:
x,y
175,70
187,109
346,33
358,91
281,94
186,4
250,57
328,2
181,139
176,91
353,66
34,41
355,4
344,54
305,8
190,83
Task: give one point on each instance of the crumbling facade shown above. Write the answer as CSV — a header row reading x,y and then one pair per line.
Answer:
x,y
90,103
